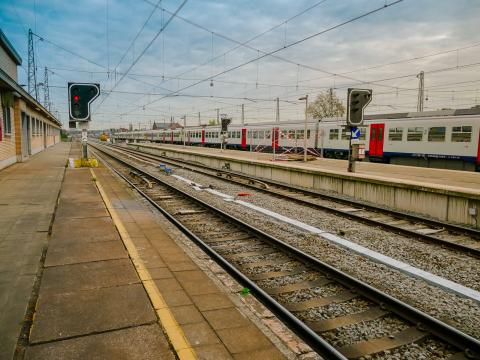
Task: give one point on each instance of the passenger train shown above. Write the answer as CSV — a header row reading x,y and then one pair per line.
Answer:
x,y
441,139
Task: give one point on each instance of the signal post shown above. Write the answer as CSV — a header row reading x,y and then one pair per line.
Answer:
x,y
80,96
357,101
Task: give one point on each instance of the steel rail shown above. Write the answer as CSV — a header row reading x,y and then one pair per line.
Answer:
x,y
447,333
350,215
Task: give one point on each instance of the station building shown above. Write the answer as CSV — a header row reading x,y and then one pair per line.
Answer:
x,y
26,127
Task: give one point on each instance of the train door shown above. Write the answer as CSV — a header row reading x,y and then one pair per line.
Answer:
x,y
203,137
163,136
275,138
478,151
171,137
376,140
244,138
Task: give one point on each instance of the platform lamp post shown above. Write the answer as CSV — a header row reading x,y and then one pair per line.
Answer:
x,y
184,126
305,128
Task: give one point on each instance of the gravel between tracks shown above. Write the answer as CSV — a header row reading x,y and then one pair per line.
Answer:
x,y
461,313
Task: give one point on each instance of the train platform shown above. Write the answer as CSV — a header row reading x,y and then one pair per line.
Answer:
x,y
90,271
461,180
442,194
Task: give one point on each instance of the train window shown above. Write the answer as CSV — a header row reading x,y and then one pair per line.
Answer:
x,y
380,134
363,132
333,135
300,134
291,134
255,134
261,134
345,134
395,134
268,134
436,134
415,134
461,134
308,134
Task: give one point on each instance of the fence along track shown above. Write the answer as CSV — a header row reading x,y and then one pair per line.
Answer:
x,y
277,273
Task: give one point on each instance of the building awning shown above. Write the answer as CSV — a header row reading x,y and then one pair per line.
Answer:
x,y
8,47
6,82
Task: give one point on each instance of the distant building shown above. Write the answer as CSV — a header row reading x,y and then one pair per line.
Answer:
x,y
26,127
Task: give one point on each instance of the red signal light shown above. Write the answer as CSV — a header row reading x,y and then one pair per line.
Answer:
x,y
76,98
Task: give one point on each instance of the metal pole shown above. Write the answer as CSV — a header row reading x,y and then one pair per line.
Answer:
x,y
199,121
421,89
184,128
83,125
273,144
277,115
218,116
305,131
243,114
351,160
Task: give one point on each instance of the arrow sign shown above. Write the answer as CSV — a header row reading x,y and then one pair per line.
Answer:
x,y
355,131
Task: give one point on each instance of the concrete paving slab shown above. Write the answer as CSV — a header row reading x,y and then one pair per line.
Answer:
x,y
74,253
159,273
270,354
225,318
211,301
139,343
187,314
213,352
69,210
200,334
199,287
87,276
177,298
86,312
167,285
243,339
86,230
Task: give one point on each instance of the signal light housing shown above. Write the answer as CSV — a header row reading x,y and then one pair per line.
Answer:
x,y
358,99
80,96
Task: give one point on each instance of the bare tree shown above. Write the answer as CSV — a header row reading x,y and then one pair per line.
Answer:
x,y
326,105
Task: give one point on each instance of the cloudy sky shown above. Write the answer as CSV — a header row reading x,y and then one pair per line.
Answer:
x,y
222,54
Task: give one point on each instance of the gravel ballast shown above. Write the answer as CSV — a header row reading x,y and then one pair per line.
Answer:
x,y
461,313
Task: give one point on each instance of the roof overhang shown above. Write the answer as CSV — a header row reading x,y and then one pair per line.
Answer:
x,y
6,82
9,48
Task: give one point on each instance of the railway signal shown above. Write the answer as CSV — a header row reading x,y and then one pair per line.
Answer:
x,y
80,96
358,99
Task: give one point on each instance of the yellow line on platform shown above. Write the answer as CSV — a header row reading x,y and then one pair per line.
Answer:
x,y
171,327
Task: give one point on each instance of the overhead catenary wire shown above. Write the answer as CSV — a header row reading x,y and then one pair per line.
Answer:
x,y
265,54
143,51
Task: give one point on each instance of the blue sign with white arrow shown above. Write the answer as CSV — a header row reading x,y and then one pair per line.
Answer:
x,y
355,131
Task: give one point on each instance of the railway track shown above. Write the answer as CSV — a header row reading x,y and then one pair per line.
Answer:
x,y
456,237
337,315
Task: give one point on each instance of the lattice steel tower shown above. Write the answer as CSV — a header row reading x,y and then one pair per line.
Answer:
x,y
46,91
32,75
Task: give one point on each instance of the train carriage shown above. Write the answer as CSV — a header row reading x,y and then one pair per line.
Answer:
x,y
443,139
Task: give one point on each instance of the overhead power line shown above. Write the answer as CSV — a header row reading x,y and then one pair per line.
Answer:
x,y
273,54
265,54
144,51
136,36
239,44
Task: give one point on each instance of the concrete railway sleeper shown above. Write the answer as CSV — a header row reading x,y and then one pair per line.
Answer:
x,y
282,277
463,239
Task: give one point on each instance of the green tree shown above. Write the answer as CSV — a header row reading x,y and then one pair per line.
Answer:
x,y
327,104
